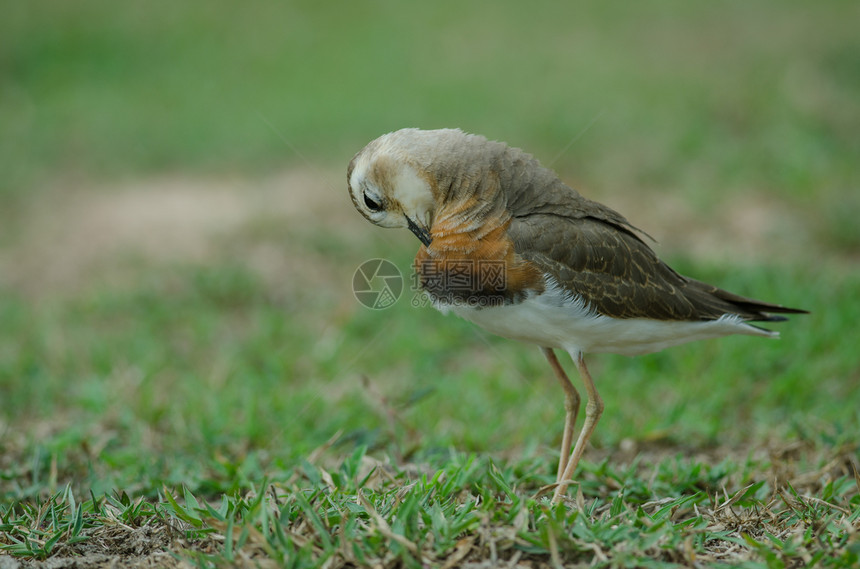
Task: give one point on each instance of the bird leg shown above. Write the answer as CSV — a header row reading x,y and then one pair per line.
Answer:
x,y
571,406
593,410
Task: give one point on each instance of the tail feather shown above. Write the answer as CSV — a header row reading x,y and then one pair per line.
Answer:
x,y
757,310
750,309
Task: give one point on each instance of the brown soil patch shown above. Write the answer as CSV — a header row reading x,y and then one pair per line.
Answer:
x,y
81,233
76,236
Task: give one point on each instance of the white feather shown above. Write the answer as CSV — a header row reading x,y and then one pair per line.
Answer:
x,y
559,319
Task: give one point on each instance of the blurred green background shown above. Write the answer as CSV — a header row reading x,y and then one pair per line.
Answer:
x,y
751,95
176,242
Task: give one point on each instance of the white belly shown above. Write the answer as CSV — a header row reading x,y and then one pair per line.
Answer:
x,y
555,319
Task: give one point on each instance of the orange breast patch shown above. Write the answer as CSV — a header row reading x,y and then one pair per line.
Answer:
x,y
473,262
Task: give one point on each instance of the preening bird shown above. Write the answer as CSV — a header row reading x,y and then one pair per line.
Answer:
x,y
507,245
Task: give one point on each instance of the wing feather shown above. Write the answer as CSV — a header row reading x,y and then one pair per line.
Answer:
x,y
618,274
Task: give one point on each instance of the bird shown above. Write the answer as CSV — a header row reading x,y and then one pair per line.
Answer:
x,y
507,245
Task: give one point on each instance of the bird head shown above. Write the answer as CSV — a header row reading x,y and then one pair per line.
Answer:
x,y
391,184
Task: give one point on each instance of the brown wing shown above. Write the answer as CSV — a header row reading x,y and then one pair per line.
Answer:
x,y
618,274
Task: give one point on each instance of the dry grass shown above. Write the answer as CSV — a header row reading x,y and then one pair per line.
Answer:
x,y
778,519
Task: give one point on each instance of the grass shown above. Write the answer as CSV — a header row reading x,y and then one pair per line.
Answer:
x,y
187,391
235,406
364,513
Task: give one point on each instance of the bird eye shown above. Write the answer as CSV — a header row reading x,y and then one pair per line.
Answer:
x,y
371,205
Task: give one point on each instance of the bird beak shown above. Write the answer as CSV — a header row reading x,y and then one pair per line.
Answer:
x,y
420,232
